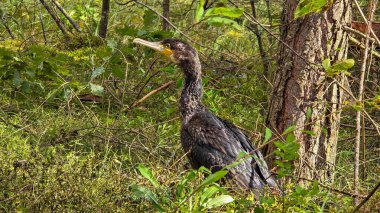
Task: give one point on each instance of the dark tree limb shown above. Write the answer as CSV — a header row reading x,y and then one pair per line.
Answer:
x,y
260,41
8,29
367,198
3,21
165,13
42,23
71,20
102,33
55,17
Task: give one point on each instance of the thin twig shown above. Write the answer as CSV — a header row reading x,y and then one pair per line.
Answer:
x,y
372,5
361,45
366,21
253,20
332,189
151,93
42,23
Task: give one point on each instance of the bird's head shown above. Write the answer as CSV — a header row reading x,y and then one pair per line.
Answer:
x,y
178,51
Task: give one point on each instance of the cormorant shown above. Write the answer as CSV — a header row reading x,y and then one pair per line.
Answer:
x,y
209,140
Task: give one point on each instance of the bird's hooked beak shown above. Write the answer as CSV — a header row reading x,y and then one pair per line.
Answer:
x,y
155,45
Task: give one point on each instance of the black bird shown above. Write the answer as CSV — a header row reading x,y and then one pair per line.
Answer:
x,y
209,140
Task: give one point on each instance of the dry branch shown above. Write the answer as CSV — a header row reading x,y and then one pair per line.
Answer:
x,y
151,93
367,198
371,10
361,45
55,17
63,11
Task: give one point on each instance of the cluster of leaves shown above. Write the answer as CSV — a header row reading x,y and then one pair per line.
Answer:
x,y
218,16
207,195
338,67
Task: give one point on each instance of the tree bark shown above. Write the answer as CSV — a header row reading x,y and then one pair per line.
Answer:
x,y
102,33
165,13
301,85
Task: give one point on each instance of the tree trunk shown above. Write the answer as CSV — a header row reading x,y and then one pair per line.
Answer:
x,y
301,86
102,33
165,13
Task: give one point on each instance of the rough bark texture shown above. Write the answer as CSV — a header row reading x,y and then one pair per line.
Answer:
x,y
104,19
300,85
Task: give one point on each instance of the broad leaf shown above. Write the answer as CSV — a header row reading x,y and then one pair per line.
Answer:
x,y
306,7
343,64
208,193
199,11
225,11
221,21
218,201
97,71
326,64
289,129
268,135
96,89
147,173
214,177
143,192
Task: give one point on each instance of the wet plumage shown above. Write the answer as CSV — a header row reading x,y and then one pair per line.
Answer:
x,y
209,140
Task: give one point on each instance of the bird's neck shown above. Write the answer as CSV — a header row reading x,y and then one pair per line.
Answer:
x,y
190,101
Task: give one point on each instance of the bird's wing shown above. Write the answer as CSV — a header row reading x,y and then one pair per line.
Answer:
x,y
260,166
217,144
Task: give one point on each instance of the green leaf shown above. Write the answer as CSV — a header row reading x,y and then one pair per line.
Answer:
x,y
289,129
169,69
259,210
268,135
149,19
343,64
214,177
208,192
326,64
221,21
290,138
199,11
190,176
97,71
306,7
147,173
143,192
96,89
218,201
127,31
225,11
309,132
309,112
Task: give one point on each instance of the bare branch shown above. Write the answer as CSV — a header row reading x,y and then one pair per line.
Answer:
x,y
372,6
367,198
151,93
55,17
71,20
